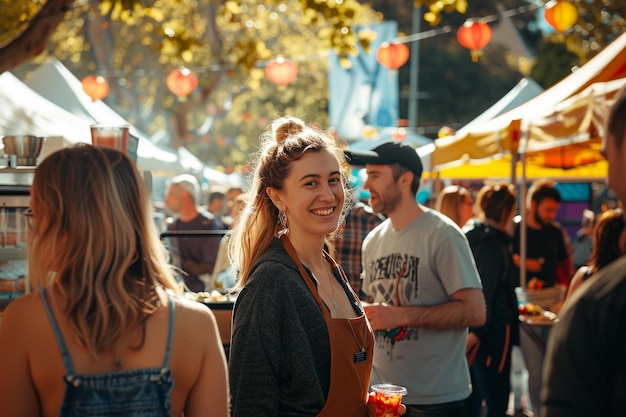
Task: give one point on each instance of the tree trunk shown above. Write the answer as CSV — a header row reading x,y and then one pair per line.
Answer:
x,y
34,39
181,128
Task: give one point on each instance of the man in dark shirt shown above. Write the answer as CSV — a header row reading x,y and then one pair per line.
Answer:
x,y
545,255
196,254
585,370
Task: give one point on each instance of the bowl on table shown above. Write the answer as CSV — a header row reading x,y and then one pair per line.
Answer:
x,y
25,148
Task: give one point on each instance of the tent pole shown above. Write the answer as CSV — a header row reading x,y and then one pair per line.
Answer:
x,y
514,159
414,71
524,137
523,231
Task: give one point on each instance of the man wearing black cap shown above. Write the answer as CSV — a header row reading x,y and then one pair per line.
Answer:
x,y
420,272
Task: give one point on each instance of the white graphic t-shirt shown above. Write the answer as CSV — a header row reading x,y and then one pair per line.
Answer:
x,y
420,265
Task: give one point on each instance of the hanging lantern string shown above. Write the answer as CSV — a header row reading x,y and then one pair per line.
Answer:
x,y
487,19
301,58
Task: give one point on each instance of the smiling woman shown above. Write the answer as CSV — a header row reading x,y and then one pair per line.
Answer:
x,y
296,313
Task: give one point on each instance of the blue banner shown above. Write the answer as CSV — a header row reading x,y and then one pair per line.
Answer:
x,y
367,94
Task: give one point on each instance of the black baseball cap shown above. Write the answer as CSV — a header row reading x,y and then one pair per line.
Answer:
x,y
388,153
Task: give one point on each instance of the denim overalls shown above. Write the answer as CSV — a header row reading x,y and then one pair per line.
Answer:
x,y
133,393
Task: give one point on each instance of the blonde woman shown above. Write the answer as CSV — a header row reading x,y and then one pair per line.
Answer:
x,y
455,202
104,331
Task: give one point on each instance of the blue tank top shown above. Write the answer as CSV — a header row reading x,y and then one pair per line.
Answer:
x,y
132,393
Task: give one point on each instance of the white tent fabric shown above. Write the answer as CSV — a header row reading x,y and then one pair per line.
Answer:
x,y
24,112
523,91
56,83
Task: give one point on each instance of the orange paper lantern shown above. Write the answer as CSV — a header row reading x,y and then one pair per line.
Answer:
x,y
281,71
392,55
181,82
560,14
95,86
474,36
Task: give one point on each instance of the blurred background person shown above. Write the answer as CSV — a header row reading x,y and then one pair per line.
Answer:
x,y
609,243
216,206
490,345
547,260
105,316
583,241
547,263
231,193
195,254
360,221
224,275
585,368
455,202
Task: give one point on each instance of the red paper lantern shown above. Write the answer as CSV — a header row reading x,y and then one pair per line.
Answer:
x,y
560,14
95,86
474,36
392,55
281,71
181,82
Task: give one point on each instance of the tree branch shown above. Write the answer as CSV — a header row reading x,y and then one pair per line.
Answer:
x,y
34,39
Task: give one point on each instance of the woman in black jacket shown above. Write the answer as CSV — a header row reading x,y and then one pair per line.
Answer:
x,y
490,361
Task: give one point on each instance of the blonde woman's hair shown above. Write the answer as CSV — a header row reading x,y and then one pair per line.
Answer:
x,y
286,141
450,200
94,240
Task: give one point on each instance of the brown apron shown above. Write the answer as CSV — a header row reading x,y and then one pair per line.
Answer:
x,y
350,356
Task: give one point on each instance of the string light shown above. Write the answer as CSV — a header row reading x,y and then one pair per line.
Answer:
x,y
401,39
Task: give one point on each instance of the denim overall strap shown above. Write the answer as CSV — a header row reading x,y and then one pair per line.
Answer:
x,y
55,327
170,333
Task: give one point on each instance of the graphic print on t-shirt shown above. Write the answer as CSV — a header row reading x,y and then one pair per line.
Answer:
x,y
395,283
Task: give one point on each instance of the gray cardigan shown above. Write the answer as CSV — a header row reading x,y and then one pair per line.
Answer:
x,y
279,361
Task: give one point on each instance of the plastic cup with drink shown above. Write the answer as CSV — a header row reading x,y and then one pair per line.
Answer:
x,y
388,398
110,135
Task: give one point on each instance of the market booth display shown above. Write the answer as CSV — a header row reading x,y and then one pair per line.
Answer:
x,y
559,125
54,82
15,179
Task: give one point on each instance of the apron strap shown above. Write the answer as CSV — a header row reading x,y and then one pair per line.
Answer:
x,y
307,278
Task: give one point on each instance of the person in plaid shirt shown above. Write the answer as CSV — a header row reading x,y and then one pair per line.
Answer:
x,y
359,223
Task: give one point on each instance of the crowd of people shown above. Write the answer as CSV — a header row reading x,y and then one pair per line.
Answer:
x,y
421,297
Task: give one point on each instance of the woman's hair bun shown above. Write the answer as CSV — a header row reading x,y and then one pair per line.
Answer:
x,y
286,127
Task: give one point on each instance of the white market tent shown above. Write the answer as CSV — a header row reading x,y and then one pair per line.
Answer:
x,y
523,91
24,112
56,83
540,124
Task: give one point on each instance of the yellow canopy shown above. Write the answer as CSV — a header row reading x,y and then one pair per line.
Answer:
x,y
501,169
571,112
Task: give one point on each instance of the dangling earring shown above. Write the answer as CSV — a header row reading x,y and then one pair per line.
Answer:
x,y
282,221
